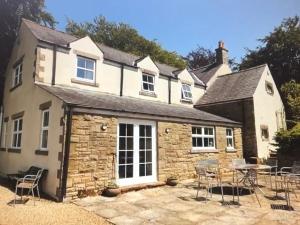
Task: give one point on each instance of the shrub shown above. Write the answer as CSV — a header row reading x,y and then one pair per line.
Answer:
x,y
289,140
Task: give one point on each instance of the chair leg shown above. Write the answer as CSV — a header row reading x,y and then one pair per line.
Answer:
x,y
15,195
33,196
21,194
222,192
271,180
38,192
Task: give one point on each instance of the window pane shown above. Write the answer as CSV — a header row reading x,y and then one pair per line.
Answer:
x,y
148,169
145,78
199,142
122,143
142,131
149,143
80,62
142,143
121,171
142,156
206,142
129,157
211,142
145,86
44,138
14,142
228,132
148,131
148,156
46,119
229,142
89,75
150,79
151,87
129,144
122,129
80,73
19,140
194,142
194,130
129,171
129,130
199,130
142,170
15,125
90,64
122,157
20,124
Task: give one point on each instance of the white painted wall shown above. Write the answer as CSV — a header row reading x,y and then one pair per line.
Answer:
x,y
265,107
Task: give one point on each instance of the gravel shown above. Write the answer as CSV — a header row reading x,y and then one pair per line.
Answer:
x,y
44,212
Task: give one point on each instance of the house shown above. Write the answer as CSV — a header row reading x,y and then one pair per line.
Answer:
x,y
91,114
249,96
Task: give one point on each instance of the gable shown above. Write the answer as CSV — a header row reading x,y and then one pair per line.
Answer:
x,y
185,77
86,45
147,64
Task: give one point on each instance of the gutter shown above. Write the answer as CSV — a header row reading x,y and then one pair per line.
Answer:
x,y
54,65
65,160
169,90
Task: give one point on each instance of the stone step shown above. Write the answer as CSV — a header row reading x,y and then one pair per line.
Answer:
x,y
137,187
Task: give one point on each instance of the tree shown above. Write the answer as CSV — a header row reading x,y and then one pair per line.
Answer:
x,y
11,12
123,37
291,95
280,50
202,57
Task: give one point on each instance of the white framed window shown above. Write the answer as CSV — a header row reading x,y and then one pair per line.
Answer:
x,y
3,135
17,126
203,138
85,69
44,130
229,138
17,75
148,82
269,88
186,92
264,132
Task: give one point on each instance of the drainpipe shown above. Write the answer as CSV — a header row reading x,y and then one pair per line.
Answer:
x,y
66,155
54,65
121,79
169,89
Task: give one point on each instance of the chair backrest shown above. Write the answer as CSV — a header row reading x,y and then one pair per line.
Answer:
x,y
238,162
33,170
201,170
38,176
296,167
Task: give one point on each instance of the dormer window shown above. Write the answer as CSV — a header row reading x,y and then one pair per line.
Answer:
x,y
269,88
17,78
148,82
85,69
186,93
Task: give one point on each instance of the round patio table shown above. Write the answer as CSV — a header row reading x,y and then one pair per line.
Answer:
x,y
249,172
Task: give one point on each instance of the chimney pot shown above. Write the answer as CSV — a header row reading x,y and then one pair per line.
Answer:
x,y
221,54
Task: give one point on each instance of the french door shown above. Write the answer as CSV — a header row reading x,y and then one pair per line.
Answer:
x,y
136,152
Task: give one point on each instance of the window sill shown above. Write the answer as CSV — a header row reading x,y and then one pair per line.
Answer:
x,y
14,150
228,149
41,152
15,87
195,151
187,101
148,93
2,149
77,81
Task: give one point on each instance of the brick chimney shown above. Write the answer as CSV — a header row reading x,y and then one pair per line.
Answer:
x,y
221,54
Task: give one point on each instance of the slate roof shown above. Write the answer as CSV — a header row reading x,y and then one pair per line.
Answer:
x,y
205,73
63,39
97,100
234,86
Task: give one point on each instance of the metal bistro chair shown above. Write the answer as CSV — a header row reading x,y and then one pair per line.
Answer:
x,y
209,174
237,176
273,163
293,171
29,182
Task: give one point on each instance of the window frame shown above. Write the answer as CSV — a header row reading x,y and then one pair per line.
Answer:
x,y
266,129
17,133
230,137
86,69
203,135
148,83
183,92
17,75
44,128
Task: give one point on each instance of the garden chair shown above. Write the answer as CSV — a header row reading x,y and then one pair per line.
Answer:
x,y
273,163
29,182
209,174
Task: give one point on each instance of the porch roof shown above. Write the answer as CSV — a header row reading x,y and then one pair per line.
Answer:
x,y
98,102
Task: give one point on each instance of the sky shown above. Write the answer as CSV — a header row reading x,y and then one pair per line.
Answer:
x,y
182,25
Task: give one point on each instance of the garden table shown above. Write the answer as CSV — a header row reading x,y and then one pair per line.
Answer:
x,y
248,176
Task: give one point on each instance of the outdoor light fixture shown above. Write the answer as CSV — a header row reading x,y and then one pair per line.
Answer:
x,y
104,126
168,130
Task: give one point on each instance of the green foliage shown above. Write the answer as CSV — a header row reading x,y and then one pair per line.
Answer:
x,y
291,95
11,12
123,37
280,50
288,140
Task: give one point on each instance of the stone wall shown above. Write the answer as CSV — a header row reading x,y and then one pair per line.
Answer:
x,y
174,150
241,111
92,154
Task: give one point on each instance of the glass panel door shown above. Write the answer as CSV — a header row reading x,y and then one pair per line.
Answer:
x,y
145,150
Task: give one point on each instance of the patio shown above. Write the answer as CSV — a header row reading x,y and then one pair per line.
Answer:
x,y
178,205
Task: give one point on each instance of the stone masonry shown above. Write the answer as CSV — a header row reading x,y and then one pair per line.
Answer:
x,y
174,150
92,154
93,150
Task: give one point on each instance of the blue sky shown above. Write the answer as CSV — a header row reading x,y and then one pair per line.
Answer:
x,y
182,25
